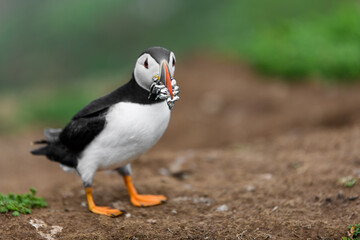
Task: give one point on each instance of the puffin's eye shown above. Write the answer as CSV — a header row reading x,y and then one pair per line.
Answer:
x,y
146,64
173,62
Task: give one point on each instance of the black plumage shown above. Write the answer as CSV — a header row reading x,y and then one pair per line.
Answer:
x,y
158,53
88,123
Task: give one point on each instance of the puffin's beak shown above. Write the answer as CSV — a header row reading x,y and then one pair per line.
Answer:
x,y
165,77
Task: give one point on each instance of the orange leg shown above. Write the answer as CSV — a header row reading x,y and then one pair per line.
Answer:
x,y
142,200
100,210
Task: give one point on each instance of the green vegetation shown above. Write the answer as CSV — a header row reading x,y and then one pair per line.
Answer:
x,y
21,203
353,233
78,44
59,106
51,107
348,181
62,41
326,46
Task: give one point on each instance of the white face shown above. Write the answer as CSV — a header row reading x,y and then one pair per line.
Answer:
x,y
146,68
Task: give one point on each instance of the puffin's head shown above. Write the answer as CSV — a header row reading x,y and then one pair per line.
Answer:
x,y
155,62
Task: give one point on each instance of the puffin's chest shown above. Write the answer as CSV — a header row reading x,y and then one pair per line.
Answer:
x,y
130,130
136,125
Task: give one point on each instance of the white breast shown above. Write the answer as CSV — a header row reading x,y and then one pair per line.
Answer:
x,y
131,129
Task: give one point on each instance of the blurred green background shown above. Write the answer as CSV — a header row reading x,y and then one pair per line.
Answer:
x,y
51,51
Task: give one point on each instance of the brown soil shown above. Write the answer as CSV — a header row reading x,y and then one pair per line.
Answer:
x,y
272,153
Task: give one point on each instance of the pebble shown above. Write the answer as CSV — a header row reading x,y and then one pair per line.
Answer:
x,y
118,205
180,199
340,195
204,200
266,176
152,221
174,212
164,172
181,167
250,188
222,208
37,224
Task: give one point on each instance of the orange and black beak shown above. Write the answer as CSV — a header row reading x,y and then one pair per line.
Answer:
x,y
165,77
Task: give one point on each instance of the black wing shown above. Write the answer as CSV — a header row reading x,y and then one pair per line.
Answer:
x,y
81,131
87,123
90,120
64,145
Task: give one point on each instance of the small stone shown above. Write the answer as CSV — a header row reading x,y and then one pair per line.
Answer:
x,y
181,199
164,172
222,208
250,188
203,200
275,208
127,215
152,221
340,195
181,167
118,205
83,204
266,176
174,212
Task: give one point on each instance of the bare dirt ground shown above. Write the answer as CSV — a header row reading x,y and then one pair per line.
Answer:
x,y
243,158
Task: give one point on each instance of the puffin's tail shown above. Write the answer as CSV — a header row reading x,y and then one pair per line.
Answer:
x,y
51,135
54,149
40,151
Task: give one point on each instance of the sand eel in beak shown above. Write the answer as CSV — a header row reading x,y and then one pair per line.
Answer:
x,y
114,129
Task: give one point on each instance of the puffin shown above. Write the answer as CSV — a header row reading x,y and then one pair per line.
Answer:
x,y
111,131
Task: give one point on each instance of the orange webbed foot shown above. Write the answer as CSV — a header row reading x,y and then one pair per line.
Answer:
x,y
139,200
147,200
100,210
106,211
